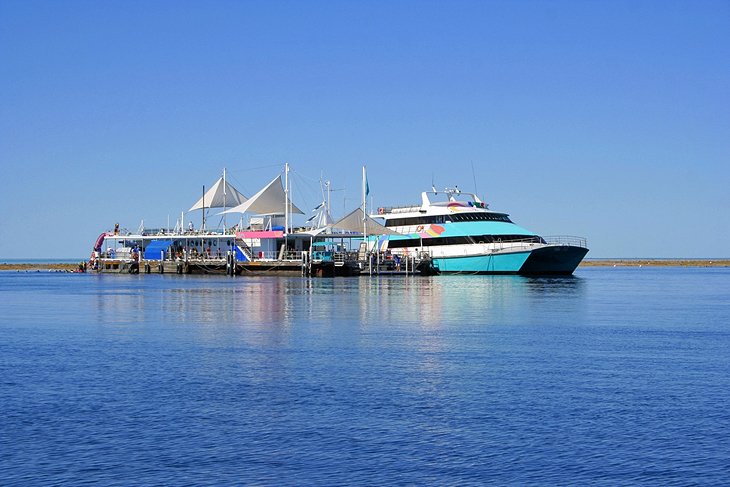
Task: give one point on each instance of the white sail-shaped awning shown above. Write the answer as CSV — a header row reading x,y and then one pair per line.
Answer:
x,y
220,195
353,222
321,217
268,201
324,219
321,221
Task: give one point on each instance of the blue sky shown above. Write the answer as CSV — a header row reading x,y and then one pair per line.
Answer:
x,y
609,120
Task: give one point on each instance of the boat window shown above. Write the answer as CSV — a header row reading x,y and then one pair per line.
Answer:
x,y
494,217
455,217
430,242
416,220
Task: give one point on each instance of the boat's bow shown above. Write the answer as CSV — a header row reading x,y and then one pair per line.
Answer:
x,y
562,255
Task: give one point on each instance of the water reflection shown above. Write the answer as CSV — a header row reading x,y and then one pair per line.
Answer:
x,y
276,303
554,285
337,381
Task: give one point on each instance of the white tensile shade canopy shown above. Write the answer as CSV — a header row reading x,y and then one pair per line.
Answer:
x,y
324,219
219,196
268,201
321,218
353,222
321,221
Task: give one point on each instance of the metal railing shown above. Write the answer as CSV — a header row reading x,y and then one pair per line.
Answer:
x,y
245,249
567,240
527,242
394,209
267,255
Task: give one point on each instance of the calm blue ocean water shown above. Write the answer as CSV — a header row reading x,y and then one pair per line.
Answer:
x,y
616,376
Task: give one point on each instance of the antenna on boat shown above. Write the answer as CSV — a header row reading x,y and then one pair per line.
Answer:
x,y
450,192
473,175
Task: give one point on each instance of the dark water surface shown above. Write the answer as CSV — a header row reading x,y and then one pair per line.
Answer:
x,y
614,377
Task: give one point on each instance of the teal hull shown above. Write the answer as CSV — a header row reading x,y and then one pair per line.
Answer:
x,y
484,264
561,260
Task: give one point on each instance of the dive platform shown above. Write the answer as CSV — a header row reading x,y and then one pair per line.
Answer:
x,y
251,253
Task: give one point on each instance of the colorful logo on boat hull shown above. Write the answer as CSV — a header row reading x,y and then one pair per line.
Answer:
x,y
428,231
457,206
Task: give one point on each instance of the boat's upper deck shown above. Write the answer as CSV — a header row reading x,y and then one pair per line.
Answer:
x,y
451,204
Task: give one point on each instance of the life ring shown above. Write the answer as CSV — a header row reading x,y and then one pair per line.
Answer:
x,y
381,211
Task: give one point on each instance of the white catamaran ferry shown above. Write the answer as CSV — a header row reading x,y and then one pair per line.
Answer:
x,y
462,235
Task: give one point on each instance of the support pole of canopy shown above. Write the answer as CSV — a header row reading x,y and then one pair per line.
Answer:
x,y
202,228
364,218
224,199
328,185
364,203
286,203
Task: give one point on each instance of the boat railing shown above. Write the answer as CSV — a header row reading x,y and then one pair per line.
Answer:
x,y
512,243
382,210
567,240
208,232
270,255
340,258
216,257
528,242
293,255
201,257
265,255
